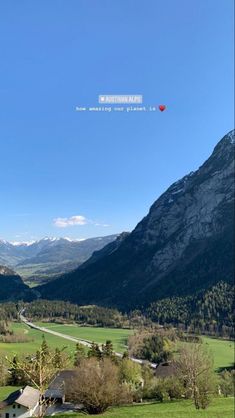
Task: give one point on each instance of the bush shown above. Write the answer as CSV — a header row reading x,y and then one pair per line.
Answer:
x,y
226,383
98,386
174,388
158,391
195,371
151,346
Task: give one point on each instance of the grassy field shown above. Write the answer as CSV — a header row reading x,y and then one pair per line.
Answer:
x,y
100,335
6,390
222,351
220,408
32,346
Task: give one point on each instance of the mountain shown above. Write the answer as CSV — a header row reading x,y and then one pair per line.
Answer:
x,y
183,245
45,259
12,286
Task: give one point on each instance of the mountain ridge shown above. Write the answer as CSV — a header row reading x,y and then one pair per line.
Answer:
x,y
184,243
44,259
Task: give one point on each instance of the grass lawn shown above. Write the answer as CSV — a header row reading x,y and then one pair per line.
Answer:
x,y
223,351
31,346
220,408
100,335
6,390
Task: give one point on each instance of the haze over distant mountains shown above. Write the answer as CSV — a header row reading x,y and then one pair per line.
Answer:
x,y
42,260
183,245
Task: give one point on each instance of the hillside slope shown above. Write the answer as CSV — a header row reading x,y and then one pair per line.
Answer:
x,y
12,287
183,245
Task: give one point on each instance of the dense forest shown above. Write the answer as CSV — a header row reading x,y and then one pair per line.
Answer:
x,y
209,312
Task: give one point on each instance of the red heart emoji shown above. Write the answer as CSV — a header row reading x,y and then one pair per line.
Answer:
x,y
162,107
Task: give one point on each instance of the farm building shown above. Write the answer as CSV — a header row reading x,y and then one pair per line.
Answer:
x,y
24,402
20,404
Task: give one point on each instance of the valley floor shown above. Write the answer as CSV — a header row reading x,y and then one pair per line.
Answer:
x,y
222,350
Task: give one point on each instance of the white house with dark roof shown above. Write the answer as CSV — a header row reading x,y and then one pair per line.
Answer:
x,y
20,404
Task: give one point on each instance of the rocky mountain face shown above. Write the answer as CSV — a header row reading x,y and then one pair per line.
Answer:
x,y
45,259
183,245
12,286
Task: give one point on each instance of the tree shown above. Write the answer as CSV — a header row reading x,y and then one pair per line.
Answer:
x,y
155,348
98,386
94,351
3,373
107,349
16,377
39,371
131,375
60,358
79,354
158,391
174,387
147,375
125,354
44,347
195,370
226,383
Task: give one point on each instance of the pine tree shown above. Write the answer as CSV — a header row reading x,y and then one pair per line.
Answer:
x,y
79,354
107,349
94,351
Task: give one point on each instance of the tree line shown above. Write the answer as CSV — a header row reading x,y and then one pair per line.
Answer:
x,y
208,312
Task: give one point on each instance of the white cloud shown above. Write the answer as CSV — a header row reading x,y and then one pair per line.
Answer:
x,y
72,221
104,225
76,220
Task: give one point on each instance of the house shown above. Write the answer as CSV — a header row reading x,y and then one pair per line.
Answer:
x,y
21,403
58,393
60,386
164,370
24,403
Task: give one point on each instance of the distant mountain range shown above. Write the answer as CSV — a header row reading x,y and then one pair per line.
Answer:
x,y
43,260
183,245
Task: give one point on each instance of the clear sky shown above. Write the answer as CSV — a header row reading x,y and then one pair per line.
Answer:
x,y
67,173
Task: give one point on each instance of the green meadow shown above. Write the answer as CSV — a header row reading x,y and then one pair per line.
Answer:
x,y
35,340
100,335
6,390
220,408
221,350
118,336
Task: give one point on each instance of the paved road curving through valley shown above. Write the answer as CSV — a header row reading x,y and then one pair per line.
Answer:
x,y
86,343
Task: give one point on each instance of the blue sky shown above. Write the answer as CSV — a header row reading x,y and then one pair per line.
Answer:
x,y
67,173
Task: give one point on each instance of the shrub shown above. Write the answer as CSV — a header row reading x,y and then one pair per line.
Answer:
x,y
226,383
98,386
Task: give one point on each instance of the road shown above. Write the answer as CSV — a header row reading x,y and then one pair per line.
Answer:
x,y
86,343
